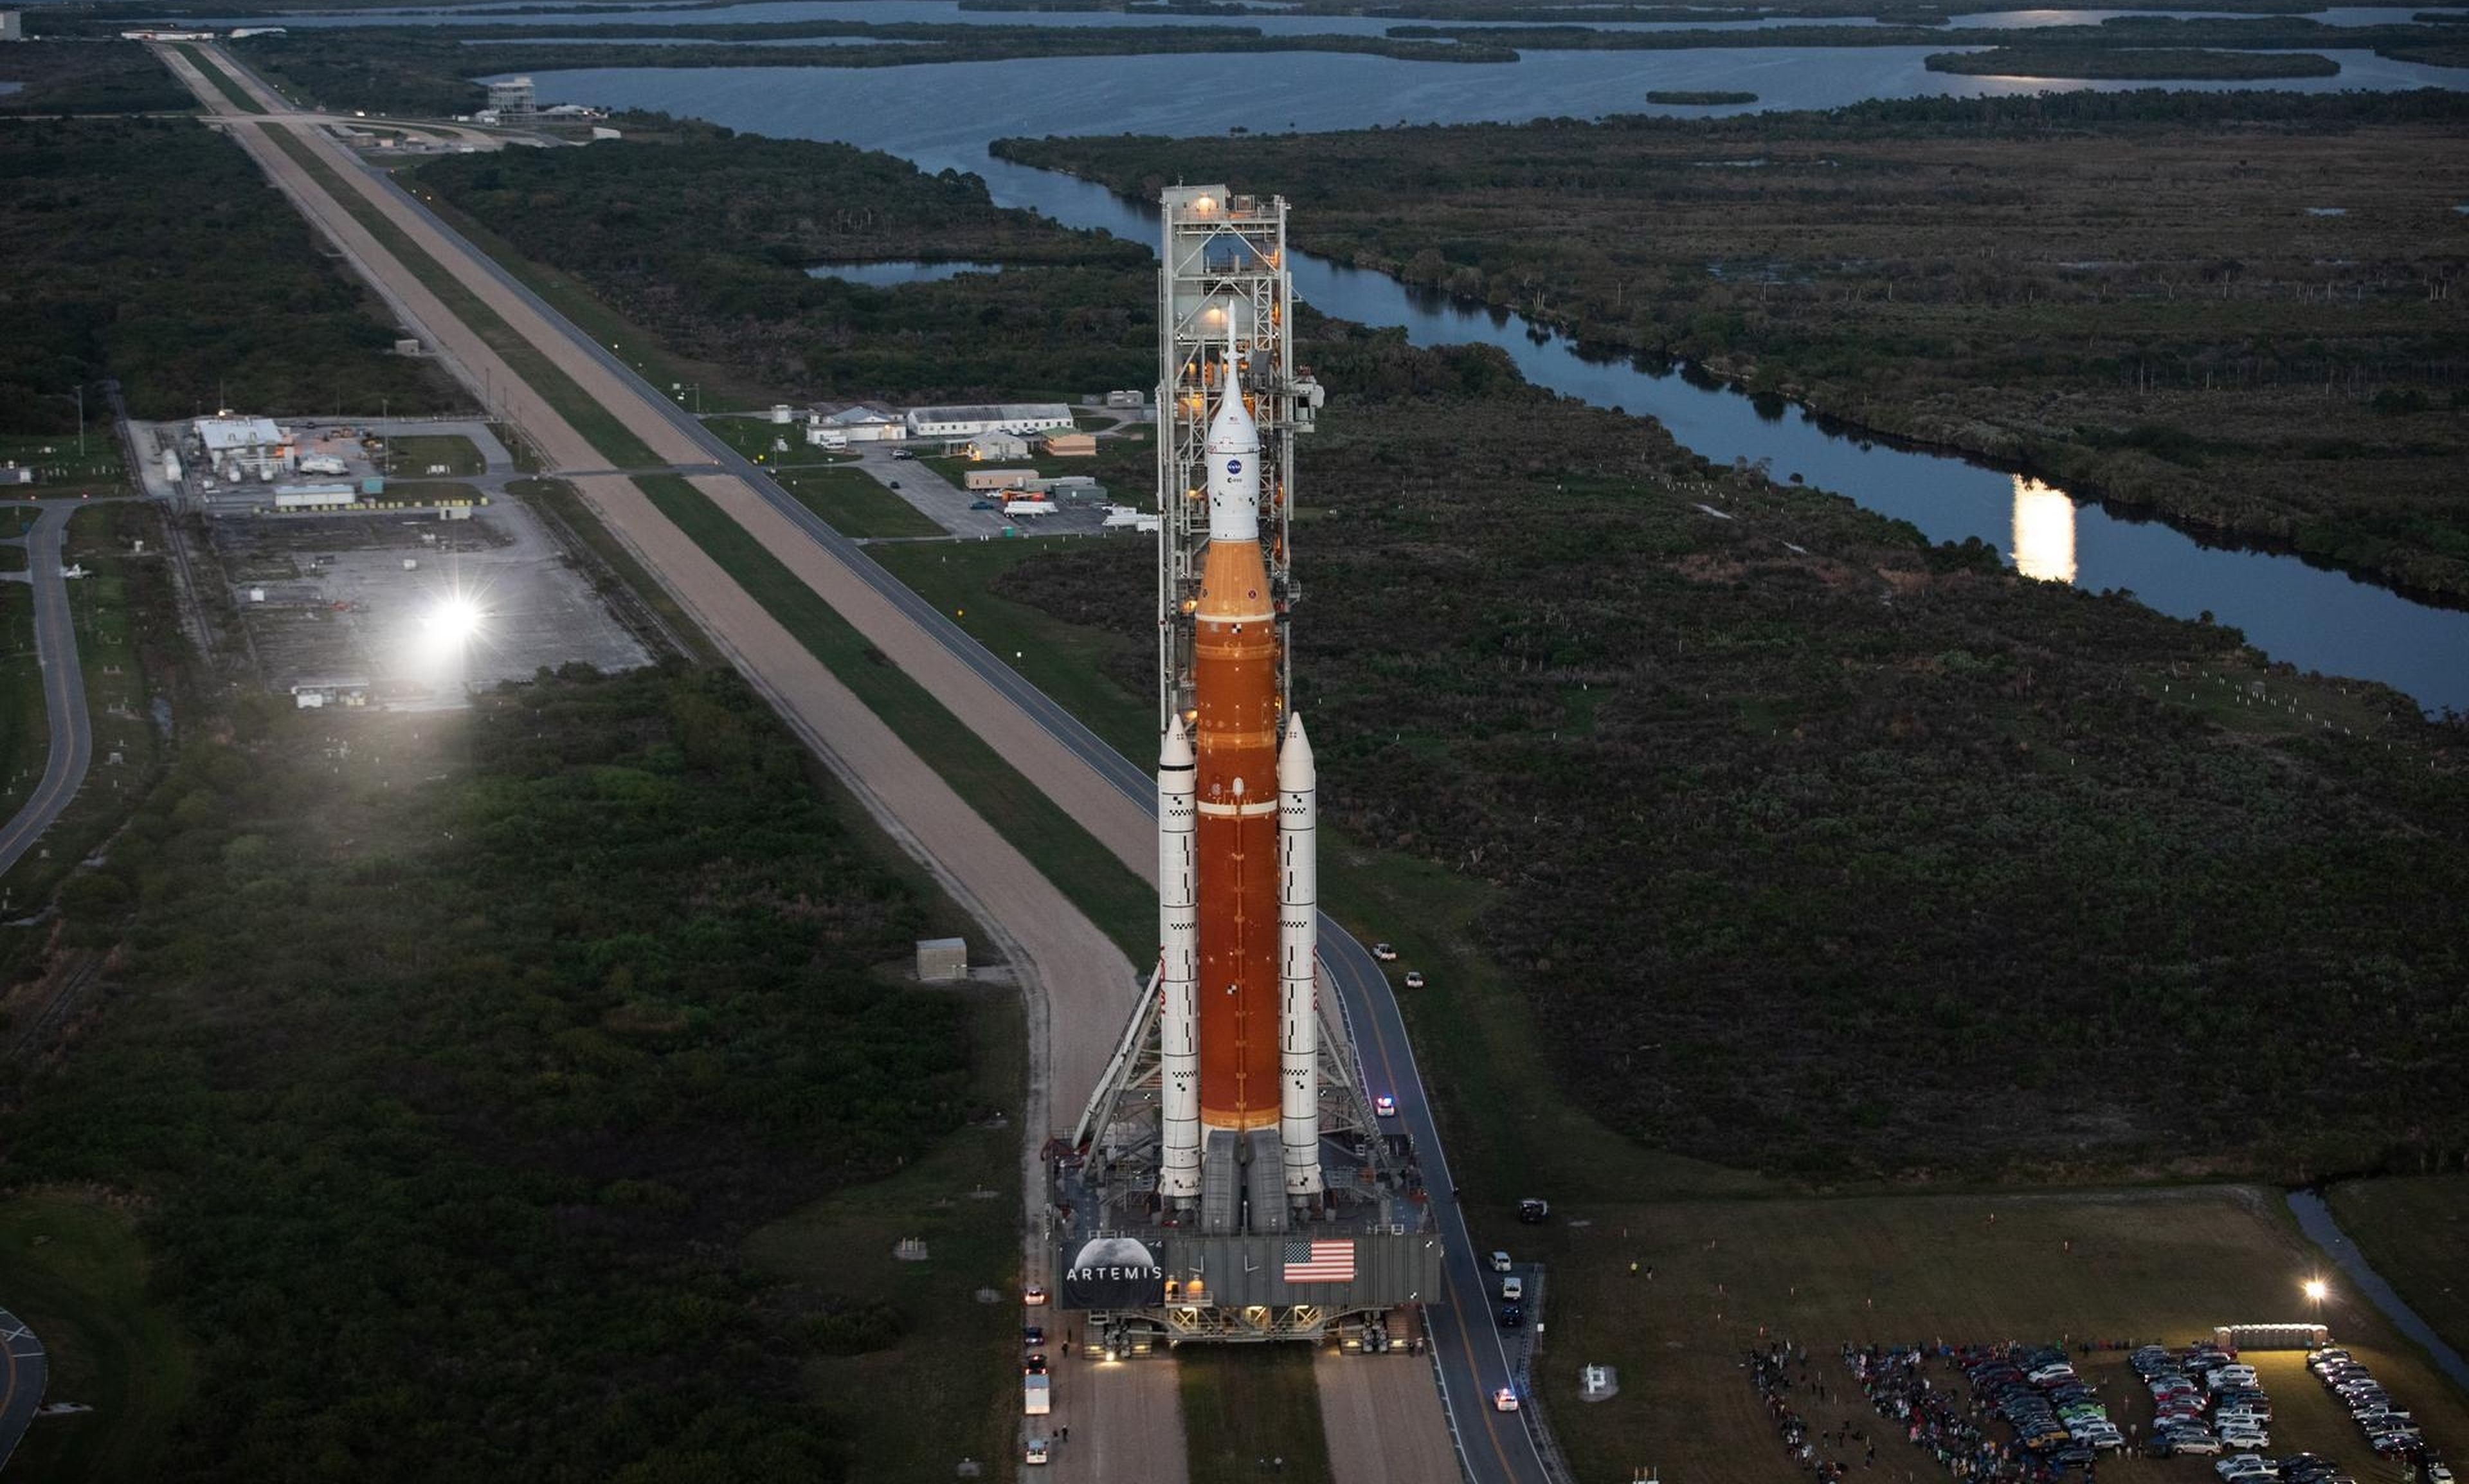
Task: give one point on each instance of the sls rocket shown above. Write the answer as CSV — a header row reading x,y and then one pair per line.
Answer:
x,y
1238,894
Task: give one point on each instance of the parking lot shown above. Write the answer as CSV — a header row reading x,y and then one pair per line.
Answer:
x,y
417,608
2031,1413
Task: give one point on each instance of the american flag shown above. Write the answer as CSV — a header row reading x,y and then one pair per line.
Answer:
x,y
1320,1261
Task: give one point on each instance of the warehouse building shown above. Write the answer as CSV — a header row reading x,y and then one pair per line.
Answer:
x,y
239,447
968,422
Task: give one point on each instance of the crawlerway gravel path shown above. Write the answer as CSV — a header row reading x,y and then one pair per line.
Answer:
x,y
1078,985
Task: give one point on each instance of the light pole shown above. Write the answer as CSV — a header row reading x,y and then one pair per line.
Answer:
x,y
81,407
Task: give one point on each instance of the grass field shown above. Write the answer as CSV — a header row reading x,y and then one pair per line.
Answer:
x,y
60,467
594,422
1064,660
854,503
1118,901
2415,1232
1718,1277
70,1266
935,1350
224,81
414,453
1244,1403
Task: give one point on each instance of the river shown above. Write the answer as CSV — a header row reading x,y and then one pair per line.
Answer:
x,y
2293,611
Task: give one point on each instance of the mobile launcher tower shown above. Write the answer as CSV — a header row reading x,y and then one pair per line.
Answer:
x,y
1229,1180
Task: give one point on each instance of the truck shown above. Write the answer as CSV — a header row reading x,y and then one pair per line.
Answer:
x,y
1018,504
1036,1396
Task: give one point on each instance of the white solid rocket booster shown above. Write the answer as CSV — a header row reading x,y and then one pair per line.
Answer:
x,y
1178,967
1298,951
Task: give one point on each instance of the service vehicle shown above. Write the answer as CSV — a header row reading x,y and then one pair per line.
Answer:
x,y
1385,1105
1414,979
1512,1287
1505,1400
1036,1394
1384,953
1037,1452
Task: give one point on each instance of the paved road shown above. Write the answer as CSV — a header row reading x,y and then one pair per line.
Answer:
x,y
1112,797
24,1372
72,745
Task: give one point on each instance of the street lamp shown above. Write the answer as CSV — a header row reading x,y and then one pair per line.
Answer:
x,y
81,407
2315,1289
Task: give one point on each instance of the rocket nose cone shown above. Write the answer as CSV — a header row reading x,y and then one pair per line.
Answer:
x,y
1295,770
1177,751
1232,429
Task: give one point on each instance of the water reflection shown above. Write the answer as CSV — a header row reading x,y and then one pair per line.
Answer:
x,y
2045,531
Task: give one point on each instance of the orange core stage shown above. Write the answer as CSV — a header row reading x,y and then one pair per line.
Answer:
x,y
1235,746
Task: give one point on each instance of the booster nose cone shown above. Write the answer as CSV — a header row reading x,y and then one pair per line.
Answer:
x,y
1295,770
1177,751
1234,462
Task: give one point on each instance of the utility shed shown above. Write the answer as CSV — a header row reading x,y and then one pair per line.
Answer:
x,y
942,959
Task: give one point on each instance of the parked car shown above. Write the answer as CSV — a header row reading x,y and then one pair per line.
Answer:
x,y
1032,1295
975,504
1384,953
1414,979
1500,1262
1038,1449
1512,1315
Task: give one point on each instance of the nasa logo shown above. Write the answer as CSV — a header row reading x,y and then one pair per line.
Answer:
x,y
1233,466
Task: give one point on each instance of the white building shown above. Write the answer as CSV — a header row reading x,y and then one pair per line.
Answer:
x,y
998,445
861,423
249,447
967,421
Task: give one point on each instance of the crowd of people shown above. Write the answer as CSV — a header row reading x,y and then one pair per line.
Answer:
x,y
1777,1372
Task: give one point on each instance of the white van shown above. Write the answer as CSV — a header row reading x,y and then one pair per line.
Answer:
x,y
1512,1287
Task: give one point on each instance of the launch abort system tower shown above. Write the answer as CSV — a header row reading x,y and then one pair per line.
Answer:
x,y
1229,1180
